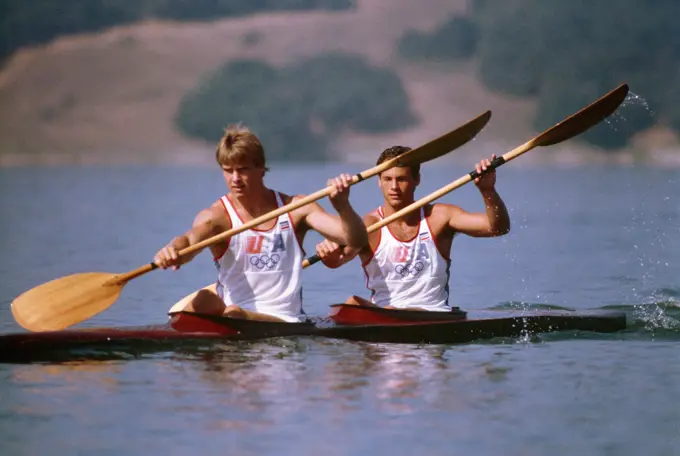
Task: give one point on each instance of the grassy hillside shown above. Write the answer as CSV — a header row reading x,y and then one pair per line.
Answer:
x,y
112,96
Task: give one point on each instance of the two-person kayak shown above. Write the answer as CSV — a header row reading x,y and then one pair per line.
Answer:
x,y
348,322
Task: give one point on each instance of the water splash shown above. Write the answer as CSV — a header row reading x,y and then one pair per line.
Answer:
x,y
659,311
634,99
633,106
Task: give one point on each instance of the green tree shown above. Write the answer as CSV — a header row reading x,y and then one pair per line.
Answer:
x,y
569,53
296,110
345,91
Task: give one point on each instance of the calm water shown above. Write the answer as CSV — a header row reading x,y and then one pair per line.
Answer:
x,y
581,238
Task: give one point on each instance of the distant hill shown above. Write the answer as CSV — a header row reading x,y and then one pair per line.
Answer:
x,y
111,96
31,22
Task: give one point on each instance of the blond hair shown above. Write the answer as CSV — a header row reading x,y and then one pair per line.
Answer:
x,y
238,145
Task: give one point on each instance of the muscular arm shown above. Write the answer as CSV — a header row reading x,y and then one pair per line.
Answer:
x,y
207,223
495,221
334,256
346,228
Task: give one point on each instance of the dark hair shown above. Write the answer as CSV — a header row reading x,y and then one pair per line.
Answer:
x,y
395,151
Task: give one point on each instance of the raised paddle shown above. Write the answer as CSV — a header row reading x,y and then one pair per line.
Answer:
x,y
568,128
66,301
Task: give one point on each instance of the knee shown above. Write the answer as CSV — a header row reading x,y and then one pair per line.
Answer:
x,y
353,300
207,302
357,301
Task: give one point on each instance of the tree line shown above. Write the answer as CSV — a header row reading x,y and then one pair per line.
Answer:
x,y
567,54
564,54
298,109
32,22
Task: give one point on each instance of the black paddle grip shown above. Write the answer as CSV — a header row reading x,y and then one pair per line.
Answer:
x,y
314,259
153,265
495,163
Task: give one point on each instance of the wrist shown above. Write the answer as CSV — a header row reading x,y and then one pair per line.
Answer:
x,y
488,192
343,208
180,242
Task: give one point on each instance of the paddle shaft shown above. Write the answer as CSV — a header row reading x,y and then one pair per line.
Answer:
x,y
433,149
571,126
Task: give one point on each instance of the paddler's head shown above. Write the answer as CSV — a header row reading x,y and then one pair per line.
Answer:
x,y
241,157
398,184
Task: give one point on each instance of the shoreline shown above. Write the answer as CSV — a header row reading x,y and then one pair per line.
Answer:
x,y
554,156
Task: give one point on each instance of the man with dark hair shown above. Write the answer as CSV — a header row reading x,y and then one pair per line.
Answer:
x,y
407,262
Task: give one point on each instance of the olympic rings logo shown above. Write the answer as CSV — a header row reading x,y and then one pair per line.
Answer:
x,y
265,261
405,270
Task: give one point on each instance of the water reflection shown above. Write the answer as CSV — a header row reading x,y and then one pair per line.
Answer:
x,y
66,378
249,385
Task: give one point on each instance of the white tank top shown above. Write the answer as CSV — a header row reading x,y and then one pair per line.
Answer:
x,y
261,270
408,274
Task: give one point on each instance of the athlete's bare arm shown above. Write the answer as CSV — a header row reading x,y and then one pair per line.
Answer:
x,y
207,223
334,256
495,221
346,228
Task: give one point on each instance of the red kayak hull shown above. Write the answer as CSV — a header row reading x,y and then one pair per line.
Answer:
x,y
182,327
184,322
345,314
189,328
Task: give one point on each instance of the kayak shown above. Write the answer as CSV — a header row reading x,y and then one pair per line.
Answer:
x,y
368,324
359,324
441,328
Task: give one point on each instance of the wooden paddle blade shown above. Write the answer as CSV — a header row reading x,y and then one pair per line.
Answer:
x,y
63,302
445,143
584,119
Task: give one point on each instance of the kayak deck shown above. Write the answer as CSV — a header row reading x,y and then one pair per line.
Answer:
x,y
185,327
345,314
482,324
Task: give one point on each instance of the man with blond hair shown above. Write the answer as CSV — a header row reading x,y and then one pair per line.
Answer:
x,y
259,270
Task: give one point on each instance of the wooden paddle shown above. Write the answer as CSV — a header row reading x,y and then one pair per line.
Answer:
x,y
568,128
66,301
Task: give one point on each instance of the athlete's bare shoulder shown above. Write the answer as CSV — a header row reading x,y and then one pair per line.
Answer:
x,y
216,214
439,214
373,238
300,214
371,217
287,199
443,209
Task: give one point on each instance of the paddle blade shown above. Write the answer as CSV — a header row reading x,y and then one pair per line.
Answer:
x,y
63,302
445,143
584,119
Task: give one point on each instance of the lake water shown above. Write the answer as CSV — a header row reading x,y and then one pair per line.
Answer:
x,y
581,238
